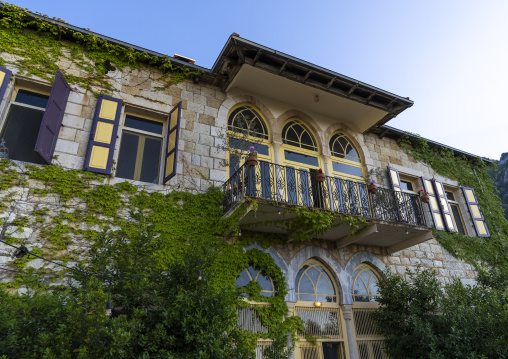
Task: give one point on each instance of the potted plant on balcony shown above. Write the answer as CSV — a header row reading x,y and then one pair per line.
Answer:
x,y
372,187
424,196
320,176
252,156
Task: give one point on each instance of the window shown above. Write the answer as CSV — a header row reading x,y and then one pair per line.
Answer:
x,y
252,274
454,206
346,160
313,283
23,121
406,185
296,134
247,121
369,344
365,284
140,149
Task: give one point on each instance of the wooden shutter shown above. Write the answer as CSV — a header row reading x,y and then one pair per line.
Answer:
x,y
5,76
171,151
434,207
101,145
393,174
52,118
476,213
444,205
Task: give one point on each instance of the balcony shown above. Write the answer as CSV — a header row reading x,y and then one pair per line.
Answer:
x,y
396,219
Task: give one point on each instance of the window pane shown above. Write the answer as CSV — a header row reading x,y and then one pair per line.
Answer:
x,y
456,216
323,287
406,185
450,196
31,98
298,157
22,123
127,157
143,124
350,170
305,285
243,279
151,160
245,145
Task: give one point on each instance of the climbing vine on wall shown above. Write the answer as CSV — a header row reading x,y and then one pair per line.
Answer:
x,y
63,214
42,46
483,252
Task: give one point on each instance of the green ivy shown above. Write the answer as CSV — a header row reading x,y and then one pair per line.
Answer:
x,y
484,253
92,212
38,44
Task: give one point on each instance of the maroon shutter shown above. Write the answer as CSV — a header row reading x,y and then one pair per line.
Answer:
x,y
5,76
52,119
444,206
171,150
434,207
474,209
101,145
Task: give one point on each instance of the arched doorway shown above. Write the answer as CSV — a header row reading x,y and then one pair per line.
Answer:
x,y
317,305
300,156
369,344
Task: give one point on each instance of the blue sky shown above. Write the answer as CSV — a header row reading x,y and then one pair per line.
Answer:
x,y
450,57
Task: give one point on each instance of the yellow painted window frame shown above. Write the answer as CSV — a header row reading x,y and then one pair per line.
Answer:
x,y
360,164
142,137
334,284
303,151
374,274
262,141
317,342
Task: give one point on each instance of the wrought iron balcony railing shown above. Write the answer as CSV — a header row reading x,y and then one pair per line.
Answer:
x,y
299,187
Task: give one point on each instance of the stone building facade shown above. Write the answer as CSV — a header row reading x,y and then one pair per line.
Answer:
x,y
280,92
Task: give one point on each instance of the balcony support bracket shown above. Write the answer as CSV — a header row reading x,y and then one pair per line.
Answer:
x,y
411,242
344,241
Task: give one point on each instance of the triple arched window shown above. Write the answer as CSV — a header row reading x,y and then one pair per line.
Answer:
x,y
300,148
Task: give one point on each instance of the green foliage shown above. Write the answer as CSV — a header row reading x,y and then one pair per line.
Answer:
x,y
131,233
419,320
501,180
484,253
38,45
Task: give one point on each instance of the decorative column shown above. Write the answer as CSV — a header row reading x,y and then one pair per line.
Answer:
x,y
291,310
347,313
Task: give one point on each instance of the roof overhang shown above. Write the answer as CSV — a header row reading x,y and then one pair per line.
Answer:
x,y
246,66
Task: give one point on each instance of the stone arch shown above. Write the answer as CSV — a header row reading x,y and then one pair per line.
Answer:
x,y
230,101
322,256
277,258
353,263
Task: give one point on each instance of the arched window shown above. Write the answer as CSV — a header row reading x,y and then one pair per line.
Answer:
x,y
365,284
254,274
346,161
296,134
342,147
313,283
247,121
246,128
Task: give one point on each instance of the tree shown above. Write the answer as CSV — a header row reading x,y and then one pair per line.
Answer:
x,y
420,320
171,309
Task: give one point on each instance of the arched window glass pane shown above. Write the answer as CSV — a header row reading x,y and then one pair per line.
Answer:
x,y
313,283
247,121
295,134
250,274
365,284
342,147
